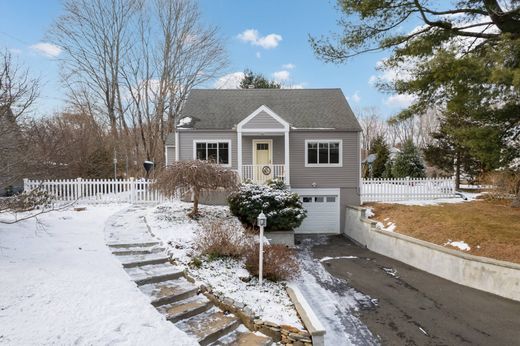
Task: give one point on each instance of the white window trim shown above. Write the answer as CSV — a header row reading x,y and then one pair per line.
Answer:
x,y
228,141
340,164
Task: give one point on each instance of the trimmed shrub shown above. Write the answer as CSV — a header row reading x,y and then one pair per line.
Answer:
x,y
280,262
283,209
218,238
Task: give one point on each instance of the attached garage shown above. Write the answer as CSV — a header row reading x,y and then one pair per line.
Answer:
x,y
323,210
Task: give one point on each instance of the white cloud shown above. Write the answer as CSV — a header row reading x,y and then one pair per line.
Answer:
x,y
400,100
258,55
288,66
229,81
355,97
47,49
281,76
253,36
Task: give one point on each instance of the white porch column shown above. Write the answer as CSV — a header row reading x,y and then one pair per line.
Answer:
x,y
239,155
287,163
177,145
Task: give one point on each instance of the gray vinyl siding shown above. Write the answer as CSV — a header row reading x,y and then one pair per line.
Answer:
x,y
346,176
348,196
186,139
278,149
170,155
263,121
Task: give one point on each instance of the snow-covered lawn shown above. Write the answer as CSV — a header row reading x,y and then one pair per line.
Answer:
x,y
60,285
226,276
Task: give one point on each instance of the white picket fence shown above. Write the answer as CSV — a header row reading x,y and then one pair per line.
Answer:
x,y
387,190
98,190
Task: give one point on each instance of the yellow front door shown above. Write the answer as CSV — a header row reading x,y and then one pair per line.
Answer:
x,y
262,160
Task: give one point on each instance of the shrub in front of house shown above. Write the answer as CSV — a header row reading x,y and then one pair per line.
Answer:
x,y
280,262
222,238
283,209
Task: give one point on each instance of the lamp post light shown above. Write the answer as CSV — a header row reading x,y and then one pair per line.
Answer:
x,y
262,222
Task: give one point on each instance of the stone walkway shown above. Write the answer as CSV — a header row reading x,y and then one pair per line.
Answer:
x,y
145,260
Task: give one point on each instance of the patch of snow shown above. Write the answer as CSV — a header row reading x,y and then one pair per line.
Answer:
x,y
186,121
326,258
461,245
226,276
391,271
61,285
390,226
369,213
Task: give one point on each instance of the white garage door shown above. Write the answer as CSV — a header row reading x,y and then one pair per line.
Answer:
x,y
322,211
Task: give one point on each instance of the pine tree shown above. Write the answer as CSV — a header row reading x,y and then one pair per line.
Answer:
x,y
257,81
408,163
380,149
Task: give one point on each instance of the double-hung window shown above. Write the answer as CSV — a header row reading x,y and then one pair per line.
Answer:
x,y
214,151
323,153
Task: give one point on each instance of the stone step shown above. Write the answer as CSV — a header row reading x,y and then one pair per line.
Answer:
x,y
136,250
154,273
186,308
131,261
243,337
167,292
209,326
128,245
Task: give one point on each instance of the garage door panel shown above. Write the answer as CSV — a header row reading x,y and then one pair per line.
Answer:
x,y
322,212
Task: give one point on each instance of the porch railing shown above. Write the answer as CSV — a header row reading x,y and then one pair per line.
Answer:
x,y
262,173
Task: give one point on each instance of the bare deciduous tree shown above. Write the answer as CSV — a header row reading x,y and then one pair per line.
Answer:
x,y
131,63
197,175
95,38
18,92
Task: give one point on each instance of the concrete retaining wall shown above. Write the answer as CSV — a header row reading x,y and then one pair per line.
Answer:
x,y
497,277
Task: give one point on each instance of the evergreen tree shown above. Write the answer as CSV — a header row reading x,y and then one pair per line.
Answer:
x,y
258,81
380,149
448,153
99,164
408,162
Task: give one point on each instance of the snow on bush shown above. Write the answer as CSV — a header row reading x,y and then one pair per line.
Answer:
x,y
283,209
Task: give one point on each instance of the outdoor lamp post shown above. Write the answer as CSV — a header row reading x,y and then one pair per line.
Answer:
x,y
262,222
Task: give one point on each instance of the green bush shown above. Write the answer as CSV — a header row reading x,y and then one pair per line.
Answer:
x,y
283,209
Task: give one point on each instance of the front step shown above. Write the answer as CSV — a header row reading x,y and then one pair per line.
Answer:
x,y
132,261
242,336
167,292
127,245
154,273
186,308
136,250
209,326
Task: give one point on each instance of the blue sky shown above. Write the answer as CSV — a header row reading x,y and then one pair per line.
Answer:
x,y
267,36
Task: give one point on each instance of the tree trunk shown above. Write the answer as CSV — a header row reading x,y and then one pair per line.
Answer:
x,y
195,211
457,171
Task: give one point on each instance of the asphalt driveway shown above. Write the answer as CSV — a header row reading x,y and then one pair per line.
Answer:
x,y
412,307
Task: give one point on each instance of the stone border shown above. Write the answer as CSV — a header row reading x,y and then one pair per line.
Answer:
x,y
284,334
311,322
485,274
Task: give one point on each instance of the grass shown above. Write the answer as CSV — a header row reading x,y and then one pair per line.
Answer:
x,y
490,228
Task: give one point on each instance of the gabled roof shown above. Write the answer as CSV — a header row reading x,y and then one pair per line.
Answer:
x,y
301,108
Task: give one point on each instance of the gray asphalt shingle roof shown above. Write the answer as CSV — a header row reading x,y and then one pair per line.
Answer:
x,y
301,108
